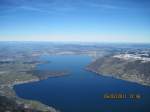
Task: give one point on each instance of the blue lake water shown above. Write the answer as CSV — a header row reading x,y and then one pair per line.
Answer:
x,y
81,90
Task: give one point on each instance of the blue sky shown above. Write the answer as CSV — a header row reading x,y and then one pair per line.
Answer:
x,y
75,20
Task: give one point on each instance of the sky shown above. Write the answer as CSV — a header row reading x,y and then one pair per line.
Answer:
x,y
75,20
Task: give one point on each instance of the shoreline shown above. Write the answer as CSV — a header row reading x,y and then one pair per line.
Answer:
x,y
115,77
27,102
23,82
47,107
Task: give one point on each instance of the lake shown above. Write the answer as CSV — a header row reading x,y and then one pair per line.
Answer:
x,y
81,90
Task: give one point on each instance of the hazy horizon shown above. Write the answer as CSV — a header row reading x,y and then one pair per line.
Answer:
x,y
72,42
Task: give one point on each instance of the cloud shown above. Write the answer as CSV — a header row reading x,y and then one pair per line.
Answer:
x,y
63,6
104,6
44,6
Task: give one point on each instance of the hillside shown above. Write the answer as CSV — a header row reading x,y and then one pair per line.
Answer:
x,y
9,105
131,70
